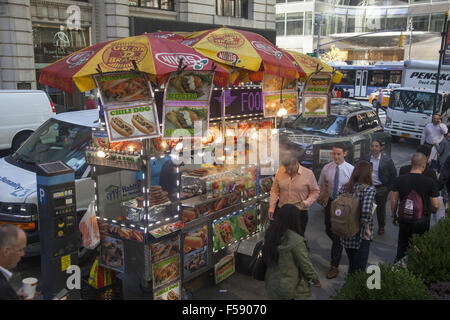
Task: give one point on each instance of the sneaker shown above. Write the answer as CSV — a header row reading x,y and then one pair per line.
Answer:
x,y
381,231
333,272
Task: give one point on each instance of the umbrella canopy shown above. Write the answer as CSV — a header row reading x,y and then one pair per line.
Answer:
x,y
154,56
170,35
242,49
309,65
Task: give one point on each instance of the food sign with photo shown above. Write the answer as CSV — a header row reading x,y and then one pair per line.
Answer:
x,y
166,271
224,268
316,105
317,95
273,88
165,249
186,102
123,87
193,86
195,245
169,292
112,253
180,120
132,122
234,227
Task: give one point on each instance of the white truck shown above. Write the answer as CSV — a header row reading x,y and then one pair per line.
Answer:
x,y
411,106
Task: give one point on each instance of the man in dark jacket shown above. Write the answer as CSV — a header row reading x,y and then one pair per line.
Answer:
x,y
12,244
383,176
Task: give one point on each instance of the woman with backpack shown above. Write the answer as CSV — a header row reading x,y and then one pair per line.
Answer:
x,y
357,246
289,268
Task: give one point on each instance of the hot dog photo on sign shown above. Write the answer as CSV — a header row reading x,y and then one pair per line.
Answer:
x,y
132,122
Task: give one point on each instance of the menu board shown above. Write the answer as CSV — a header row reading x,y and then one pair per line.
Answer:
x,y
277,90
169,292
224,268
184,119
316,95
195,250
123,87
132,122
100,139
189,86
234,227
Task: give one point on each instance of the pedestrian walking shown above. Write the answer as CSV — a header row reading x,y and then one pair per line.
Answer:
x,y
434,132
289,269
293,184
357,247
338,93
443,150
334,174
383,175
346,93
90,103
428,192
12,244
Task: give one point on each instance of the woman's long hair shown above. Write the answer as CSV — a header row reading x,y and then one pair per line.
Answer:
x,y
286,218
362,173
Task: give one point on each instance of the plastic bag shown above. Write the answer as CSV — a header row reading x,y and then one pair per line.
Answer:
x,y
89,228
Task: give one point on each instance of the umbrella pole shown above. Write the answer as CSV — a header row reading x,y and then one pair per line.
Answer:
x,y
223,112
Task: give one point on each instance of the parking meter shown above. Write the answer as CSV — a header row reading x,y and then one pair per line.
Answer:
x,y
59,235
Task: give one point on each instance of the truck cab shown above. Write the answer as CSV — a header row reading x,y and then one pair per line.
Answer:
x,y
411,109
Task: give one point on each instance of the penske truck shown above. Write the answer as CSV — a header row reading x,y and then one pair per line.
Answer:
x,y
410,107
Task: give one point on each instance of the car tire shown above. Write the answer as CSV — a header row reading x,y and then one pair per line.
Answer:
x,y
19,140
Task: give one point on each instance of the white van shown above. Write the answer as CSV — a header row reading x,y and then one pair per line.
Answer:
x,y
23,111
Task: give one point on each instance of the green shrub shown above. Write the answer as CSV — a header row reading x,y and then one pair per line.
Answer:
x,y
395,284
428,255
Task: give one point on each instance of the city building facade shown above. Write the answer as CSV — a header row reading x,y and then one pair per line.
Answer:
x,y
36,33
363,31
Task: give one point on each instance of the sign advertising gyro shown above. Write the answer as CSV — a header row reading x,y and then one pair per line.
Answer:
x,y
275,87
186,103
317,95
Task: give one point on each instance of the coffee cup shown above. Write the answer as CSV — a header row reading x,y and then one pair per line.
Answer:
x,y
29,287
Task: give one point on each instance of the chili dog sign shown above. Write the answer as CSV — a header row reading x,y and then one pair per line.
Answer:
x,y
132,122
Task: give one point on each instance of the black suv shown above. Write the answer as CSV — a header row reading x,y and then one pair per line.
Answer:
x,y
353,125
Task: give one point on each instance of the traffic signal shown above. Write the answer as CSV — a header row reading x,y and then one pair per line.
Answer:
x,y
401,40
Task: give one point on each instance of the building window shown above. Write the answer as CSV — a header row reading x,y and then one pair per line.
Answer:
x,y
308,24
280,23
155,4
420,23
294,24
437,22
232,8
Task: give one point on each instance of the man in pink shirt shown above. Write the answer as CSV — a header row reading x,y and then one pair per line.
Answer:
x,y
293,184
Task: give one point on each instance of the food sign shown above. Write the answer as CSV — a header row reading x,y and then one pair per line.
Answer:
x,y
277,90
166,271
169,292
317,95
186,103
112,253
195,246
132,122
234,227
224,268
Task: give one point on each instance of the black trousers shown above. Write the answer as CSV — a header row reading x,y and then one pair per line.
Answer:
x,y
358,258
381,196
406,230
303,220
336,247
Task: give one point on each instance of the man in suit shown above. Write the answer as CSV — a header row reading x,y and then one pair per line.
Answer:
x,y
12,244
383,176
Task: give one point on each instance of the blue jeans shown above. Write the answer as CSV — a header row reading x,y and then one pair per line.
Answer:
x,y
357,258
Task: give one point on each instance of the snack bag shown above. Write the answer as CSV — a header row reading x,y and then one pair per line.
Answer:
x,y
89,228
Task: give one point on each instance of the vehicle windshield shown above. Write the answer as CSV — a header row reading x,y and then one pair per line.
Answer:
x,y
55,140
331,125
413,101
